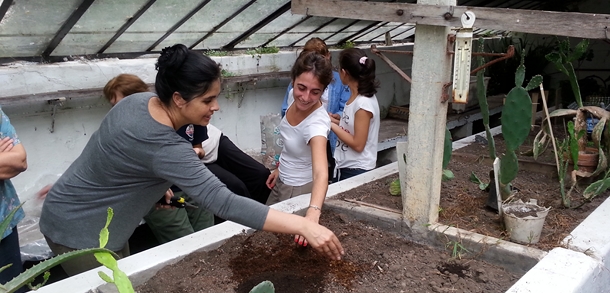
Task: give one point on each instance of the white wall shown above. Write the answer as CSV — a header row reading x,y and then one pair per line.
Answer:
x,y
49,154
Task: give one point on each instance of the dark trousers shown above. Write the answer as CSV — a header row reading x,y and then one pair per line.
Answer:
x,y
331,162
242,174
10,254
345,173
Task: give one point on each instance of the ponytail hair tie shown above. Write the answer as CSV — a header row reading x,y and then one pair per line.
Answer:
x,y
362,60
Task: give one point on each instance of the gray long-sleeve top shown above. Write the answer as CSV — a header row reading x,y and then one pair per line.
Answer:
x,y
128,164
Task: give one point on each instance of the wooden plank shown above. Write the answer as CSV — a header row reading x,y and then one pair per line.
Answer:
x,y
570,24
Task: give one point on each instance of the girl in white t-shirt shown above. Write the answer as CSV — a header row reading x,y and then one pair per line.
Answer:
x,y
303,167
358,128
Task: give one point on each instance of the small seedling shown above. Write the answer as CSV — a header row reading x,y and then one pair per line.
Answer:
x,y
482,185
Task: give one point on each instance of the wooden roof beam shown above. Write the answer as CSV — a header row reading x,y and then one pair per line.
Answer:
x,y
569,24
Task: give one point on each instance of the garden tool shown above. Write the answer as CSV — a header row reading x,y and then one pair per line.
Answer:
x,y
177,201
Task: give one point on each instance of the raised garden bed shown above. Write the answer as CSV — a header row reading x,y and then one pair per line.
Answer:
x,y
376,260
463,204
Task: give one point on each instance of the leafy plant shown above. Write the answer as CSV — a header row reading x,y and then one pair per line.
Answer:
x,y
346,45
216,53
43,267
457,249
563,57
263,50
473,178
120,280
226,73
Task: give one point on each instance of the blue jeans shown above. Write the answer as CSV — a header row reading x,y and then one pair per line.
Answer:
x,y
345,173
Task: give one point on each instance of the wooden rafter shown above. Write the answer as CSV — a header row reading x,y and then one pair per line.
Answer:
x,y
570,24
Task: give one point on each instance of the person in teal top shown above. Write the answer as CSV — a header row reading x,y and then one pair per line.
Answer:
x,y
12,162
333,99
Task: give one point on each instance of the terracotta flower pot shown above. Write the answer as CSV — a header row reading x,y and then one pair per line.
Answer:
x,y
587,159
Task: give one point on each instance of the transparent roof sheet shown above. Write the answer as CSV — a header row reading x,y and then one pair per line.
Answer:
x,y
63,28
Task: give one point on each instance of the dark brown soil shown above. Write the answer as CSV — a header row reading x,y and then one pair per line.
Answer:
x,y
463,204
375,261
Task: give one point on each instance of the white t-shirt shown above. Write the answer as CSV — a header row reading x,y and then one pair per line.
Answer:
x,y
210,145
345,156
323,99
295,160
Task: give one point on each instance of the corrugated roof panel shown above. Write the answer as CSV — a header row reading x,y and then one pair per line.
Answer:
x,y
202,22
300,31
152,25
378,31
28,26
320,35
95,28
393,32
244,21
352,29
272,29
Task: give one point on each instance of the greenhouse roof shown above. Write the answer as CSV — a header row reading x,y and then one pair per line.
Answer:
x,y
42,30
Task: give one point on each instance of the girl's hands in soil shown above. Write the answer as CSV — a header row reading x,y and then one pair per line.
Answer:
x,y
272,178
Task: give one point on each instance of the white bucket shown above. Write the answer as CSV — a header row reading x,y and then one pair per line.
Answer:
x,y
524,221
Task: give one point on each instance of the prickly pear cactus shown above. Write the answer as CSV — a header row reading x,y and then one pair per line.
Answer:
x,y
263,287
516,123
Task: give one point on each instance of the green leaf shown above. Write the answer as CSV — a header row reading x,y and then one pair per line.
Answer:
x,y
7,220
263,287
473,178
447,175
596,188
534,82
104,234
447,148
105,277
520,74
579,50
509,167
395,187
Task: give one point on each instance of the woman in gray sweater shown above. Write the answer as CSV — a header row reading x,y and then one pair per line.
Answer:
x,y
136,155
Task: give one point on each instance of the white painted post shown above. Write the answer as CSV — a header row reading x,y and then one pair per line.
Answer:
x,y
421,175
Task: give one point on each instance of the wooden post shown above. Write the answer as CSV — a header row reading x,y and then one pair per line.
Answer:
x,y
421,174
534,96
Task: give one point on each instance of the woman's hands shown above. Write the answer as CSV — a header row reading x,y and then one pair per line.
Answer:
x,y
318,237
314,216
272,178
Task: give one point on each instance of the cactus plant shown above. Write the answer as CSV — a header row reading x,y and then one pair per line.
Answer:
x,y
263,287
29,275
516,117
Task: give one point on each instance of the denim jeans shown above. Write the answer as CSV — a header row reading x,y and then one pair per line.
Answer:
x,y
345,173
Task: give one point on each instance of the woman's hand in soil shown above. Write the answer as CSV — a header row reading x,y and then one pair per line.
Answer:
x,y
318,237
324,241
312,215
272,178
